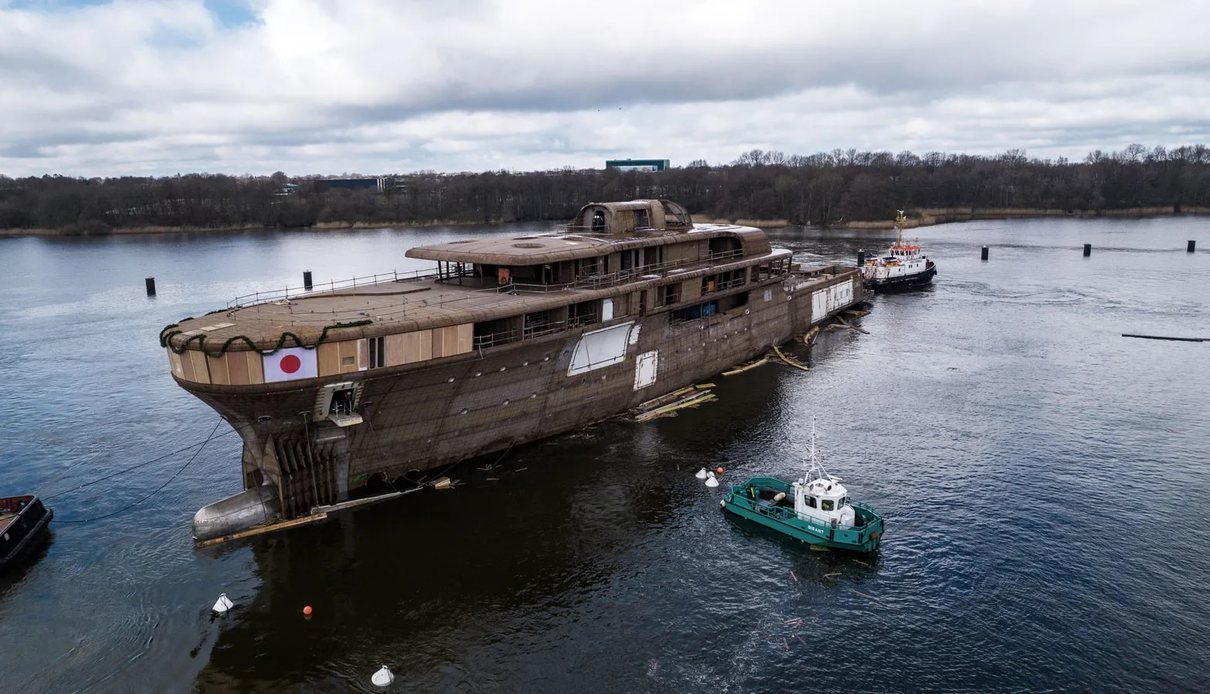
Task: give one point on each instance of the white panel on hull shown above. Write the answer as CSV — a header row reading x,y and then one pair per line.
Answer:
x,y
840,295
825,301
645,368
600,348
819,305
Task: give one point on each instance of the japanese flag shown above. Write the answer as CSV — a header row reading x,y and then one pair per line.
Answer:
x,y
289,364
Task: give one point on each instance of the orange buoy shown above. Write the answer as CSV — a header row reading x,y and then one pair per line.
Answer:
x,y
719,469
307,610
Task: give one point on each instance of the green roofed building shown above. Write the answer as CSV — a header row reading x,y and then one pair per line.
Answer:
x,y
637,164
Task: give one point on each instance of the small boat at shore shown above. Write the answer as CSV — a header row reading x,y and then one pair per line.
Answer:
x,y
24,524
903,267
815,509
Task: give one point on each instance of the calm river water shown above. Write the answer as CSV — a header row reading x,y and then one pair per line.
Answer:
x,y
1044,482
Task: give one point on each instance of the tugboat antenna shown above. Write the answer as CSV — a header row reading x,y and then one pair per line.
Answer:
x,y
813,461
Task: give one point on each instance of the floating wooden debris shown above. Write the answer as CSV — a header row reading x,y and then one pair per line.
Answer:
x,y
444,483
850,326
669,410
790,362
666,398
262,529
748,366
810,335
668,405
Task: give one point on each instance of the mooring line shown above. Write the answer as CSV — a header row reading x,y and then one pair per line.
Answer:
x,y
154,491
135,467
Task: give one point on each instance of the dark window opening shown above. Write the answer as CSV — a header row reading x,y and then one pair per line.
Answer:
x,y
825,505
724,247
378,356
584,313
695,312
670,294
342,402
496,332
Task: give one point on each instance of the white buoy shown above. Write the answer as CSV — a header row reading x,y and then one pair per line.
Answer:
x,y
383,678
711,480
701,474
222,604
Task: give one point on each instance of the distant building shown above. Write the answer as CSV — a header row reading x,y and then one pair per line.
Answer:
x,y
376,184
637,164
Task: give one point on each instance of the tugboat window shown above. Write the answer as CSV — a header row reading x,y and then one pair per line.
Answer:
x,y
825,505
811,501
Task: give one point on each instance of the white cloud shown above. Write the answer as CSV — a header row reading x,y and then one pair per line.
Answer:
x,y
317,86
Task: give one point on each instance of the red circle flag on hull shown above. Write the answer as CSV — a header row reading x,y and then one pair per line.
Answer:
x,y
290,364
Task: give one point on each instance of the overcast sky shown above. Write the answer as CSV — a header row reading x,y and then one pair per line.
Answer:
x,y
335,86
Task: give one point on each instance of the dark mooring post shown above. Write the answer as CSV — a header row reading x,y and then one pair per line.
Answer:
x,y
150,286
307,280
983,253
1192,244
861,257
1087,249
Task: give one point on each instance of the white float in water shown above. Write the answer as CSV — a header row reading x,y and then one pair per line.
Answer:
x,y
701,474
222,604
383,678
711,480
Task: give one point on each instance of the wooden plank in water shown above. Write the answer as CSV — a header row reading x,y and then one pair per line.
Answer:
x,y
262,529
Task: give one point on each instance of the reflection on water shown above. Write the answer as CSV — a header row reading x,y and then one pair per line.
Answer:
x,y
996,418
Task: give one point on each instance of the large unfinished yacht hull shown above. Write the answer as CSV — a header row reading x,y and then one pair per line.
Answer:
x,y
422,416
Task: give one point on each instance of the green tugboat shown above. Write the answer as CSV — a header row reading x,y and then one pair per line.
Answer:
x,y
815,509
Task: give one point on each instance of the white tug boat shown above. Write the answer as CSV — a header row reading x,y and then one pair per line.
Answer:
x,y
904,266
815,509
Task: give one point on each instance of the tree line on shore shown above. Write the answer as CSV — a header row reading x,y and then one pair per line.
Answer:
x,y
822,189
